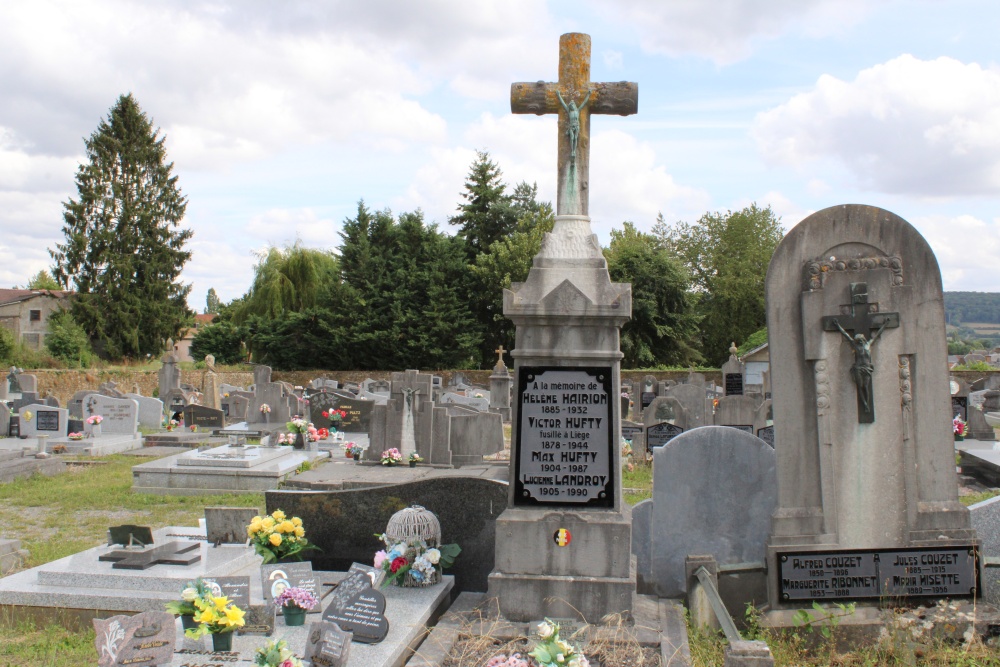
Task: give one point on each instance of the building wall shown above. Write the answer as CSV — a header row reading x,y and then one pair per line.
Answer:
x,y
17,318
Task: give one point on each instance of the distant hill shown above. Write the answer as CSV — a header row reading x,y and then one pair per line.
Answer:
x,y
972,307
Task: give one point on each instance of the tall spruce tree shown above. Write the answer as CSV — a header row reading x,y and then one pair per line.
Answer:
x,y
124,250
488,213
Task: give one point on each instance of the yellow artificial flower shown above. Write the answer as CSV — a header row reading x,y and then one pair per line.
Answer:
x,y
296,521
300,531
268,523
220,602
206,616
287,526
275,539
234,617
278,515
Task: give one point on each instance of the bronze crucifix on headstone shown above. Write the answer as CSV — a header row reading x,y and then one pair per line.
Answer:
x,y
859,318
575,97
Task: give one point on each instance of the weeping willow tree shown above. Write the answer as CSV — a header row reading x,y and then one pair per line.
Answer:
x,y
287,280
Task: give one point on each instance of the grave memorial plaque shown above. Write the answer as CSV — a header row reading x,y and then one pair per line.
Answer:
x,y
629,432
276,577
349,587
734,384
565,437
660,434
877,573
129,535
327,645
47,420
363,615
646,398
746,428
237,589
259,620
767,435
143,639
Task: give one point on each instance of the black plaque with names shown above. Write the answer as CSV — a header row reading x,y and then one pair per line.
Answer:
x,y
647,397
47,420
734,384
858,574
660,434
276,577
347,590
767,435
746,428
565,437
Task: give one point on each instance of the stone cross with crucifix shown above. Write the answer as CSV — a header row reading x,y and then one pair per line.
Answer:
x,y
574,97
856,322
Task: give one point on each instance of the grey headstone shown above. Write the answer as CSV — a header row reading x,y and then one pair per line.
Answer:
x,y
121,415
39,419
986,520
692,399
482,404
736,411
150,410
873,262
713,494
29,383
228,525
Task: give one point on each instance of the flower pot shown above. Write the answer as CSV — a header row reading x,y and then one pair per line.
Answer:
x,y
348,455
294,615
188,622
959,438
357,459
413,464
222,641
95,430
300,441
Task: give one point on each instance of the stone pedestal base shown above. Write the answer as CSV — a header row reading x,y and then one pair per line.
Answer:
x,y
589,576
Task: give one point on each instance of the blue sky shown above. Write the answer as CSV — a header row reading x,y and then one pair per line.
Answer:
x,y
279,117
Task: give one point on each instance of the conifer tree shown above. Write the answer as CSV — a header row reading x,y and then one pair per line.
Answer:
x,y
124,250
487,214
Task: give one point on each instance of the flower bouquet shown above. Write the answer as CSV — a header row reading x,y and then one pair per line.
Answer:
x,y
959,427
414,561
322,433
391,457
415,459
172,424
275,536
295,602
552,651
275,653
286,439
335,416
356,450
185,606
94,420
216,616
265,409
75,436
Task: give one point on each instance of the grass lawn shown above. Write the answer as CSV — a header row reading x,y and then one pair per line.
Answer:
x,y
61,515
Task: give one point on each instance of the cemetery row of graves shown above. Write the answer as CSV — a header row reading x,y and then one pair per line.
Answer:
x,y
822,493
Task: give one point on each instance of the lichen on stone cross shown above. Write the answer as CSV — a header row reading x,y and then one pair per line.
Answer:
x,y
574,97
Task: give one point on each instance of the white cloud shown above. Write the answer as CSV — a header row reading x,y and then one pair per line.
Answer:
x,y
966,248
280,227
726,30
904,126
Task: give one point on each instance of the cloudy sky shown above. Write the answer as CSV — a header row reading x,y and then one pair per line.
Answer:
x,y
280,116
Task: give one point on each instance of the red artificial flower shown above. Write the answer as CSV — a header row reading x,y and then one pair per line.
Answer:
x,y
326,414
396,564
323,433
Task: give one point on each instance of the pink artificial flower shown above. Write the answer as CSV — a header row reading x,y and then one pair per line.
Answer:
x,y
380,558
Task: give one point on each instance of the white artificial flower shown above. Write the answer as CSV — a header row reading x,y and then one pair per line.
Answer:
x,y
189,594
433,556
545,630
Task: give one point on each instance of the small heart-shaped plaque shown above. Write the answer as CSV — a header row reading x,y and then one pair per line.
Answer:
x,y
363,615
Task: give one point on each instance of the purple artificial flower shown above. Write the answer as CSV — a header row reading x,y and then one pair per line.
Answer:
x,y
300,597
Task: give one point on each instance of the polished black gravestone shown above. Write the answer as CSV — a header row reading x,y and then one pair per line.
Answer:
x,y
342,523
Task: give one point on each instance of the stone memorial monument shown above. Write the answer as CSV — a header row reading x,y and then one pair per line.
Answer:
x,y
862,414
566,541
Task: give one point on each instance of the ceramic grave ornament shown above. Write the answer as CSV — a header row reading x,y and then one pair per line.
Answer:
x,y
862,412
